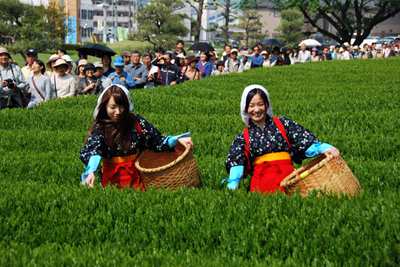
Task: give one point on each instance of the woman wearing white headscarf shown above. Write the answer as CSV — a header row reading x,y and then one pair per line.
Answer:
x,y
117,136
268,146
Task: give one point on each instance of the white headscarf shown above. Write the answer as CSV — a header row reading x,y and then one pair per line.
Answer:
x,y
243,111
96,110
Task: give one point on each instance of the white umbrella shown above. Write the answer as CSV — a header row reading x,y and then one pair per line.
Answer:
x,y
310,42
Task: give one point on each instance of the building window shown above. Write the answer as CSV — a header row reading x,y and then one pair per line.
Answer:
x,y
267,33
95,24
277,13
98,13
84,14
90,14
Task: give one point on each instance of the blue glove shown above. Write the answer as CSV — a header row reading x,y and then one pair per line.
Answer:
x,y
235,174
172,140
317,149
93,164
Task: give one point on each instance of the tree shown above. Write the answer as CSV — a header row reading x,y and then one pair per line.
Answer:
x,y
251,24
228,7
348,17
290,26
159,24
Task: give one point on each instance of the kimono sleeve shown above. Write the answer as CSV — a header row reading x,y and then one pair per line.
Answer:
x,y
152,138
94,145
236,154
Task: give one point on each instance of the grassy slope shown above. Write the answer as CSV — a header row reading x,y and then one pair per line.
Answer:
x,y
48,218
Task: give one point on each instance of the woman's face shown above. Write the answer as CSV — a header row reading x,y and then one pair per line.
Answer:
x,y
265,56
288,52
314,53
61,69
193,64
81,68
36,67
257,109
114,110
203,57
106,60
89,73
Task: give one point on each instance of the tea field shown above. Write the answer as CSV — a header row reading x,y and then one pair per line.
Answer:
x,y
47,218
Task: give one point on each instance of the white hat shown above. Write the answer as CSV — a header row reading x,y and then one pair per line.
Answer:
x,y
4,51
60,62
246,54
341,50
396,49
356,47
67,58
234,50
96,64
264,52
96,110
243,111
180,55
346,44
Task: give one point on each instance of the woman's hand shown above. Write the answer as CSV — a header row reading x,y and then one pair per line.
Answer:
x,y
335,153
186,140
90,179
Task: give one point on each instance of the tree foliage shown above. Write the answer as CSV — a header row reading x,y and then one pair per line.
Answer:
x,y
348,17
290,26
251,24
159,24
228,7
198,6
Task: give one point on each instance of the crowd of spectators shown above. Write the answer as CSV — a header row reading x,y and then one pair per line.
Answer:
x,y
32,84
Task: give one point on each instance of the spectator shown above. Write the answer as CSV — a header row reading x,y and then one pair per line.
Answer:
x,y
105,81
137,70
190,72
279,62
12,82
69,61
373,47
213,59
61,52
392,51
31,55
179,48
180,61
286,56
159,52
295,54
227,50
220,69
364,54
81,56
241,50
50,64
170,73
154,74
379,53
396,51
336,55
345,53
324,54
305,55
90,84
39,84
341,51
275,54
81,67
126,55
266,62
314,56
356,53
107,69
233,64
257,59
187,60
63,84
385,50
197,55
204,64
245,64
119,76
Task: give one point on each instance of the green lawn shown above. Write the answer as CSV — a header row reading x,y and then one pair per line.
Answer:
x,y
48,219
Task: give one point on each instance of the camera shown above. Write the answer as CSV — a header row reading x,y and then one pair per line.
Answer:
x,y
10,82
155,75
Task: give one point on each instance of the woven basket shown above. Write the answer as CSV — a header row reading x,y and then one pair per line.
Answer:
x,y
170,170
322,173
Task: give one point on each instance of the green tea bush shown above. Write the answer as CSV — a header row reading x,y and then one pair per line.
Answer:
x,y
49,219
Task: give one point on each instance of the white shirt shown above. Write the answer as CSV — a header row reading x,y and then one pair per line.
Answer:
x,y
65,86
305,56
386,52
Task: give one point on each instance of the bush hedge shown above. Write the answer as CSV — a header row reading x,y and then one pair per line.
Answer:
x,y
48,218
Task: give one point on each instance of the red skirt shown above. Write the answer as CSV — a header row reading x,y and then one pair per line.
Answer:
x,y
121,171
268,175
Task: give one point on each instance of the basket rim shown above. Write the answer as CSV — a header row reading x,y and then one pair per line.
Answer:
x,y
296,176
162,168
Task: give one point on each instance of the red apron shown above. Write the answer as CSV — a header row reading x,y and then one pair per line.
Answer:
x,y
121,171
269,170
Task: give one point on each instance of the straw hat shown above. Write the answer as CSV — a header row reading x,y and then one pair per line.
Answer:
x,y
4,51
356,47
60,62
82,62
53,58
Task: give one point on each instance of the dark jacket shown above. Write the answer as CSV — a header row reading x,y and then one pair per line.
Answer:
x,y
170,74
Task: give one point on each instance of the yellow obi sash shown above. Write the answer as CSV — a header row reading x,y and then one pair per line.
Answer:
x,y
272,157
119,159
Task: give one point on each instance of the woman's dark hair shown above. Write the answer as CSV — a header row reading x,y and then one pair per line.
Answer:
x,y
207,53
276,48
180,42
124,126
159,50
63,50
40,63
254,92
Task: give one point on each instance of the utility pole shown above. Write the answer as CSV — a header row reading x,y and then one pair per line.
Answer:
x,y
105,6
116,21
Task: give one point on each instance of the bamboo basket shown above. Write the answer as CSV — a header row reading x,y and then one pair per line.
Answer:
x,y
322,173
170,170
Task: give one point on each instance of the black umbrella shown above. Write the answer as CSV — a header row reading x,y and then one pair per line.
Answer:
x,y
201,47
96,50
271,42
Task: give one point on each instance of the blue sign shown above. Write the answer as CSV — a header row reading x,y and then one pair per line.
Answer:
x,y
72,30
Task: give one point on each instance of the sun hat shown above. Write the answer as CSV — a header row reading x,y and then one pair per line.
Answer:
x,y
96,110
89,66
67,58
234,50
341,50
4,51
180,55
82,62
98,64
356,47
126,54
53,58
60,62
266,53
346,44
243,111
314,49
118,62
31,51
191,59
246,54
